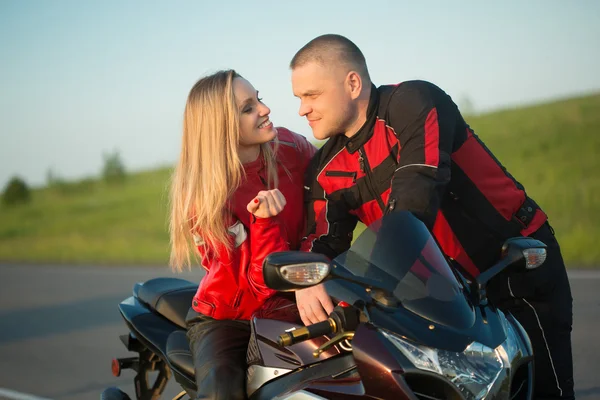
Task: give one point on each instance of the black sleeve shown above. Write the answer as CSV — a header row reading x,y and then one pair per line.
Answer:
x,y
424,119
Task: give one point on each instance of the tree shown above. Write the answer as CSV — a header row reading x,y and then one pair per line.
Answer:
x,y
16,192
466,106
114,169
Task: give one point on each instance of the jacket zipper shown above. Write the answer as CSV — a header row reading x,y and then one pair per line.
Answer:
x,y
364,167
263,180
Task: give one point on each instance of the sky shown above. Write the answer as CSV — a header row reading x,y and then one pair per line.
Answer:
x,y
80,79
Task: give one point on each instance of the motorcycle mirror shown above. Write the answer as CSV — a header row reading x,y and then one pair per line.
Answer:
x,y
519,252
287,271
533,251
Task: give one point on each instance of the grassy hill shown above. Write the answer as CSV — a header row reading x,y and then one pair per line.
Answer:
x,y
552,149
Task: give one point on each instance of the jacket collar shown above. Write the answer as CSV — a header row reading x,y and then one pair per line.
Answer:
x,y
361,137
254,167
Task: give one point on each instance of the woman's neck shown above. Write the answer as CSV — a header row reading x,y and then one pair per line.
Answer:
x,y
248,154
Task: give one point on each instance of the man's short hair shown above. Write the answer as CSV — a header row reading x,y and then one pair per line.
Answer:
x,y
332,49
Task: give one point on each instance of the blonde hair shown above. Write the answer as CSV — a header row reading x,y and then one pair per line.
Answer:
x,y
209,169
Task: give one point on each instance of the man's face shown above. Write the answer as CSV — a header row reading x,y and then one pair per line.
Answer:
x,y
325,99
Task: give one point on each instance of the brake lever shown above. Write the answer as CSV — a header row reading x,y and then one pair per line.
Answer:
x,y
332,342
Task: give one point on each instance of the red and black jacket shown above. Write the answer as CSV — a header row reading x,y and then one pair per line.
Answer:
x,y
415,152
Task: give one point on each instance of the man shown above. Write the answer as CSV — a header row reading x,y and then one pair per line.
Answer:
x,y
407,147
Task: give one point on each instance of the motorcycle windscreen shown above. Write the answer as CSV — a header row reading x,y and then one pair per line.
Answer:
x,y
399,252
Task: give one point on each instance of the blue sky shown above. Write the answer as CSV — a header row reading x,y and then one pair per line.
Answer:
x,y
80,78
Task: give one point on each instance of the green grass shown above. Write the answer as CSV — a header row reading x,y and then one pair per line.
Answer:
x,y
108,224
551,149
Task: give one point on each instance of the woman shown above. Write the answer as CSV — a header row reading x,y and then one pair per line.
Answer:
x,y
236,196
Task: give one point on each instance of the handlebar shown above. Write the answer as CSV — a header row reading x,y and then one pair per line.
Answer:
x,y
343,318
326,327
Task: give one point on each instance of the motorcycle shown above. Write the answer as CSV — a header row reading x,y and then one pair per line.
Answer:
x,y
407,326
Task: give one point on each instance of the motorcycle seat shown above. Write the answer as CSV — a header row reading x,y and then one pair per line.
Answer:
x,y
179,354
170,297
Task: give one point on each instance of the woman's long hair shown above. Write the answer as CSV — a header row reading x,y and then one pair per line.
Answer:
x,y
209,169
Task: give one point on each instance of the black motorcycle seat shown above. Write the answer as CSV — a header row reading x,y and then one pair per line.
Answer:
x,y
179,354
170,297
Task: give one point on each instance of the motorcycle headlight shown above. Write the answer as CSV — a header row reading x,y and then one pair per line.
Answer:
x,y
474,371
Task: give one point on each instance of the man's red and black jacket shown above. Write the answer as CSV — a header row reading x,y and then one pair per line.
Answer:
x,y
415,152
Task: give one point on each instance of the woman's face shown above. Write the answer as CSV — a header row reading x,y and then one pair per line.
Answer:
x,y
255,126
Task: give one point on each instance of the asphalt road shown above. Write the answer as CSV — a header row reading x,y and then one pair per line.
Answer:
x,y
59,330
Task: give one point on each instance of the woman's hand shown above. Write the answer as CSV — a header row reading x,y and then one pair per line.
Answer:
x,y
267,203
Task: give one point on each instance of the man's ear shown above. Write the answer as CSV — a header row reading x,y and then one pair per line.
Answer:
x,y
354,84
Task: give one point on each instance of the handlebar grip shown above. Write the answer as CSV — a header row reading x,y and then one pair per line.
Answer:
x,y
307,332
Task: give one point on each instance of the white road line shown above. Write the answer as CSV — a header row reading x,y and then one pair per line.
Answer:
x,y
11,394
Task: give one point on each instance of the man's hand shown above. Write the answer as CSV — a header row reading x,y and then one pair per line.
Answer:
x,y
314,304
